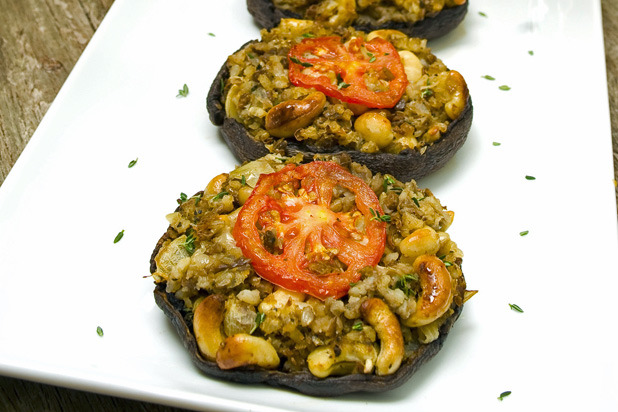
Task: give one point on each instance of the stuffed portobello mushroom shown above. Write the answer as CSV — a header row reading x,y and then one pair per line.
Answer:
x,y
427,19
382,98
320,277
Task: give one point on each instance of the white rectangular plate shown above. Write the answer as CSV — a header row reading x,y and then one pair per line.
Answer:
x,y
71,192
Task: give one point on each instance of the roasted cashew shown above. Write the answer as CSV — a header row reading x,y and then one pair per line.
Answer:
x,y
207,320
342,359
437,294
231,102
457,88
287,117
216,184
385,34
379,316
247,350
423,241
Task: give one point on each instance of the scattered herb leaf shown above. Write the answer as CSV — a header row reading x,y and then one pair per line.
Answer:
x,y
427,93
132,162
524,233
482,14
119,236
504,395
99,331
189,243
389,181
528,177
504,87
220,195
531,52
402,283
496,143
415,200
297,61
259,318
377,216
211,34
183,198
488,77
243,180
358,325
308,35
372,58
184,91
516,308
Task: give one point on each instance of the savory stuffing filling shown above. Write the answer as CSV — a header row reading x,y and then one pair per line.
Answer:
x,y
371,322
376,92
374,12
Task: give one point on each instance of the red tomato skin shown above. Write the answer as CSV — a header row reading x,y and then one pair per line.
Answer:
x,y
288,269
311,60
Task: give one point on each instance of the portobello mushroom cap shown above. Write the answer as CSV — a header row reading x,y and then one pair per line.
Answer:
x,y
303,382
407,165
268,16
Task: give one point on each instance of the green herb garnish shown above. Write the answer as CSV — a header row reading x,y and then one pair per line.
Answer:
x,y
516,308
482,14
259,319
402,283
504,395
496,143
372,58
132,162
504,87
184,91
243,180
189,243
99,331
220,195
389,181
488,77
358,325
297,61
528,177
211,34
377,216
415,200
340,83
308,35
531,52
119,236
183,198
524,233
427,93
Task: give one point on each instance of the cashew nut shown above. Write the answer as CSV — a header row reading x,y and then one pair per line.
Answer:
x,y
207,320
287,117
216,184
385,34
231,102
458,90
333,12
374,127
423,241
342,359
436,294
412,65
379,316
247,350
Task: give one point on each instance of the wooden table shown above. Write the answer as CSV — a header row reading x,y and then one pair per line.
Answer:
x,y
40,41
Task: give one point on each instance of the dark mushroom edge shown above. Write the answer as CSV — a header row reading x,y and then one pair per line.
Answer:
x,y
405,166
268,16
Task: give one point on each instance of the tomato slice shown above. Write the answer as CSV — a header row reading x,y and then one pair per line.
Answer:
x,y
368,73
293,238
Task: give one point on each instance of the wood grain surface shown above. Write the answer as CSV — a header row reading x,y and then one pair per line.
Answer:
x,y
40,41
